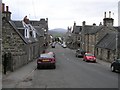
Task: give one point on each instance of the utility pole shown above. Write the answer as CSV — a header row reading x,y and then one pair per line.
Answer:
x,y
116,55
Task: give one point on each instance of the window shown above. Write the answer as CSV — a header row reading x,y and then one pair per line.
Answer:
x,y
26,32
108,55
31,33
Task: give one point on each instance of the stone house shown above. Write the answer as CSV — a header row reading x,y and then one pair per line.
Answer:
x,y
42,28
29,33
74,37
20,39
12,42
99,40
92,35
68,37
106,47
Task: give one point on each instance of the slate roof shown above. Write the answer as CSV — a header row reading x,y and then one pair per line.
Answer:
x,y
39,31
34,23
108,41
42,23
14,27
117,28
90,29
95,29
18,24
77,29
86,29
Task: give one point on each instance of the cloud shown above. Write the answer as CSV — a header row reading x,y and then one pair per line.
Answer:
x,y
62,13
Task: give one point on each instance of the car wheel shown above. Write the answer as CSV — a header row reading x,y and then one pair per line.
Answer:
x,y
54,66
85,60
38,67
76,56
112,68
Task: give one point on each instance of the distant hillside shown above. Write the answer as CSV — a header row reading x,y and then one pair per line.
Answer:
x,y
57,32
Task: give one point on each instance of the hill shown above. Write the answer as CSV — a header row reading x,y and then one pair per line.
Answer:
x,y
57,32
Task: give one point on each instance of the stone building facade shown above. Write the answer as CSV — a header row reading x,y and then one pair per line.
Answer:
x,y
21,40
100,40
73,36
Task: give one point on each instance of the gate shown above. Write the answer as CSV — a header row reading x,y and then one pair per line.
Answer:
x,y
7,62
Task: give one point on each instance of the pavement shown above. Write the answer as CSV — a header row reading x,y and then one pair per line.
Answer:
x,y
11,79
107,64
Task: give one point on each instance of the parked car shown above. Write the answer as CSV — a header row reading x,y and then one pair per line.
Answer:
x,y
80,52
115,65
46,60
53,44
64,45
52,53
89,57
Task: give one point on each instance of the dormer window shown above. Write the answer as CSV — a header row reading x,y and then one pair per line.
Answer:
x,y
31,34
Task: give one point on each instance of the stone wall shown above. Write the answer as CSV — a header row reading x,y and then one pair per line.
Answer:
x,y
18,60
14,44
105,54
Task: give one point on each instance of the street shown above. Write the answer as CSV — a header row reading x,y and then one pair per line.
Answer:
x,y
70,72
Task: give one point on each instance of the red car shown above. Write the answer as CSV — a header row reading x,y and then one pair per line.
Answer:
x,y
89,57
52,53
46,60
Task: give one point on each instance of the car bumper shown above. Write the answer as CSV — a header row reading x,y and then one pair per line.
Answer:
x,y
45,64
92,60
79,55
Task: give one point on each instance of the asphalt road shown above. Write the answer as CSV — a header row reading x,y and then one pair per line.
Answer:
x,y
72,72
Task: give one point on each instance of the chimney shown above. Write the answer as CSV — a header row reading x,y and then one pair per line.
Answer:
x,y
74,23
109,14
100,24
7,9
3,7
26,20
105,14
46,19
83,23
94,24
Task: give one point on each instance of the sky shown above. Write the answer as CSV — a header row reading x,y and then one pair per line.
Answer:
x,y
63,13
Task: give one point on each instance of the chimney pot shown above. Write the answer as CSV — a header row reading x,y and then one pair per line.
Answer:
x,y
7,9
3,7
109,14
100,24
94,24
105,14
84,23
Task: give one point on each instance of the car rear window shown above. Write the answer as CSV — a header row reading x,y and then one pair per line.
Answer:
x,y
118,60
46,56
89,54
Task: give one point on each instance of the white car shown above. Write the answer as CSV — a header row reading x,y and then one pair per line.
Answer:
x,y
64,45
